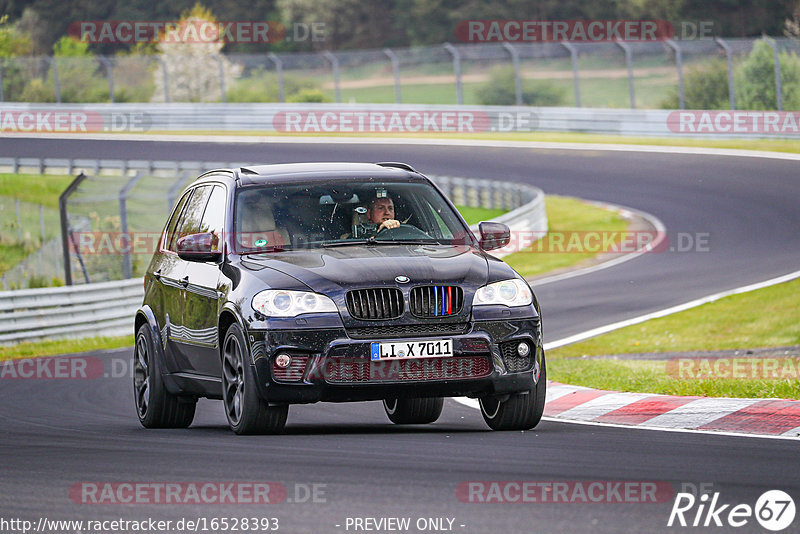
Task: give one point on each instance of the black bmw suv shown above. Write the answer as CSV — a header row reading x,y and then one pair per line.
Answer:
x,y
297,283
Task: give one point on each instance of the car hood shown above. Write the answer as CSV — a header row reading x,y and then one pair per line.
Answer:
x,y
334,270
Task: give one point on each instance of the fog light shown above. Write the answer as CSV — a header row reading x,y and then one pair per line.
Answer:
x,y
523,349
283,361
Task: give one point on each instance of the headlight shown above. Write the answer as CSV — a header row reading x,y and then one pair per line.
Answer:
x,y
507,293
284,303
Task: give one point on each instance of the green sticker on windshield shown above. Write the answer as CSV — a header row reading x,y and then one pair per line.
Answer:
x,y
261,243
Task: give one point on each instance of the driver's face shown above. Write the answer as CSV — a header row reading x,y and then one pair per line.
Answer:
x,y
381,210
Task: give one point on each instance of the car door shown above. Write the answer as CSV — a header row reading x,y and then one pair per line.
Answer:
x,y
200,313
180,339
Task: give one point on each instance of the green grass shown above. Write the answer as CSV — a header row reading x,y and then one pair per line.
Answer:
x,y
36,189
565,216
476,215
768,317
63,346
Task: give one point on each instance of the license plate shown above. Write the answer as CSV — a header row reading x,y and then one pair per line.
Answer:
x,y
432,348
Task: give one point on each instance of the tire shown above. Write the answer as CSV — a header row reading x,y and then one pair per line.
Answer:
x,y
413,411
521,411
246,412
155,406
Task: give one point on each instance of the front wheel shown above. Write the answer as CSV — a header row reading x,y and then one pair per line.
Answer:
x,y
246,411
521,411
413,411
155,406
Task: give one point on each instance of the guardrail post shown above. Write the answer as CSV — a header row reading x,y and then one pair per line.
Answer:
x,y
457,71
334,61
54,65
573,55
731,85
127,270
679,62
629,64
218,57
517,79
396,71
65,230
279,71
778,86
109,70
164,77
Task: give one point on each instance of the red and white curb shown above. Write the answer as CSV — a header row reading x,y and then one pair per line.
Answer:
x,y
766,417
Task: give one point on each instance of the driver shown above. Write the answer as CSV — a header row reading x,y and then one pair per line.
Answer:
x,y
380,211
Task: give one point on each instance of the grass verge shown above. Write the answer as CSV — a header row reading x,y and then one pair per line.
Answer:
x,y
768,317
63,346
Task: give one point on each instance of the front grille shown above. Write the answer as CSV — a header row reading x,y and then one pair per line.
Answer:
x,y
359,370
408,330
436,301
293,372
375,303
514,362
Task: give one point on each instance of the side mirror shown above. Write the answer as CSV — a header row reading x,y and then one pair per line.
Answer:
x,y
199,247
494,235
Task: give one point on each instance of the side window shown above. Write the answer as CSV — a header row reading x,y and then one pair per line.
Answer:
x,y
192,215
173,221
214,215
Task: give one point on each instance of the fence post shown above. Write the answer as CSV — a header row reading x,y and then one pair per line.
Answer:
x,y
221,66
517,78
2,98
279,71
334,61
396,71
65,232
164,76
19,221
731,86
109,70
679,62
457,71
54,65
573,54
778,86
629,63
41,222
127,270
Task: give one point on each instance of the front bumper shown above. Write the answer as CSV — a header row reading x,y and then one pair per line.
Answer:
x,y
330,365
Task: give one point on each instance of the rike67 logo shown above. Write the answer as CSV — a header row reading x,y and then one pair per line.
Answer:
x,y
774,510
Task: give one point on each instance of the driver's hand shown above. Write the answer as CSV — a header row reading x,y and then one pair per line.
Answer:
x,y
388,225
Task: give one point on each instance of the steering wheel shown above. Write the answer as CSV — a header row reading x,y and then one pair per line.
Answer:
x,y
404,231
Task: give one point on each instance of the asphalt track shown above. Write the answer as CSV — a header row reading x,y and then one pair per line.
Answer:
x,y
58,433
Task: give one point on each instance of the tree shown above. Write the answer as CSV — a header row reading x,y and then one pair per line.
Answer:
x,y
755,80
193,68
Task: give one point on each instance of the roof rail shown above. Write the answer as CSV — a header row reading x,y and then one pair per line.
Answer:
x,y
245,170
397,165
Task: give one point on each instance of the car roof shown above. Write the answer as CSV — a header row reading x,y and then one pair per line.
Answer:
x,y
319,171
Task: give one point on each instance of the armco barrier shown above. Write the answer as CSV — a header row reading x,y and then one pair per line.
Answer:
x,y
104,309
397,119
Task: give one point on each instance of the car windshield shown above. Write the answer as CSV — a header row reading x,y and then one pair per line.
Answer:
x,y
343,212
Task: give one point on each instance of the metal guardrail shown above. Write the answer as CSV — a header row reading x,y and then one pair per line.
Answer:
x,y
104,309
107,308
380,119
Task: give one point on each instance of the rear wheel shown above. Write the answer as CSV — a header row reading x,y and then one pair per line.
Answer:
x,y
155,406
413,411
521,411
247,413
